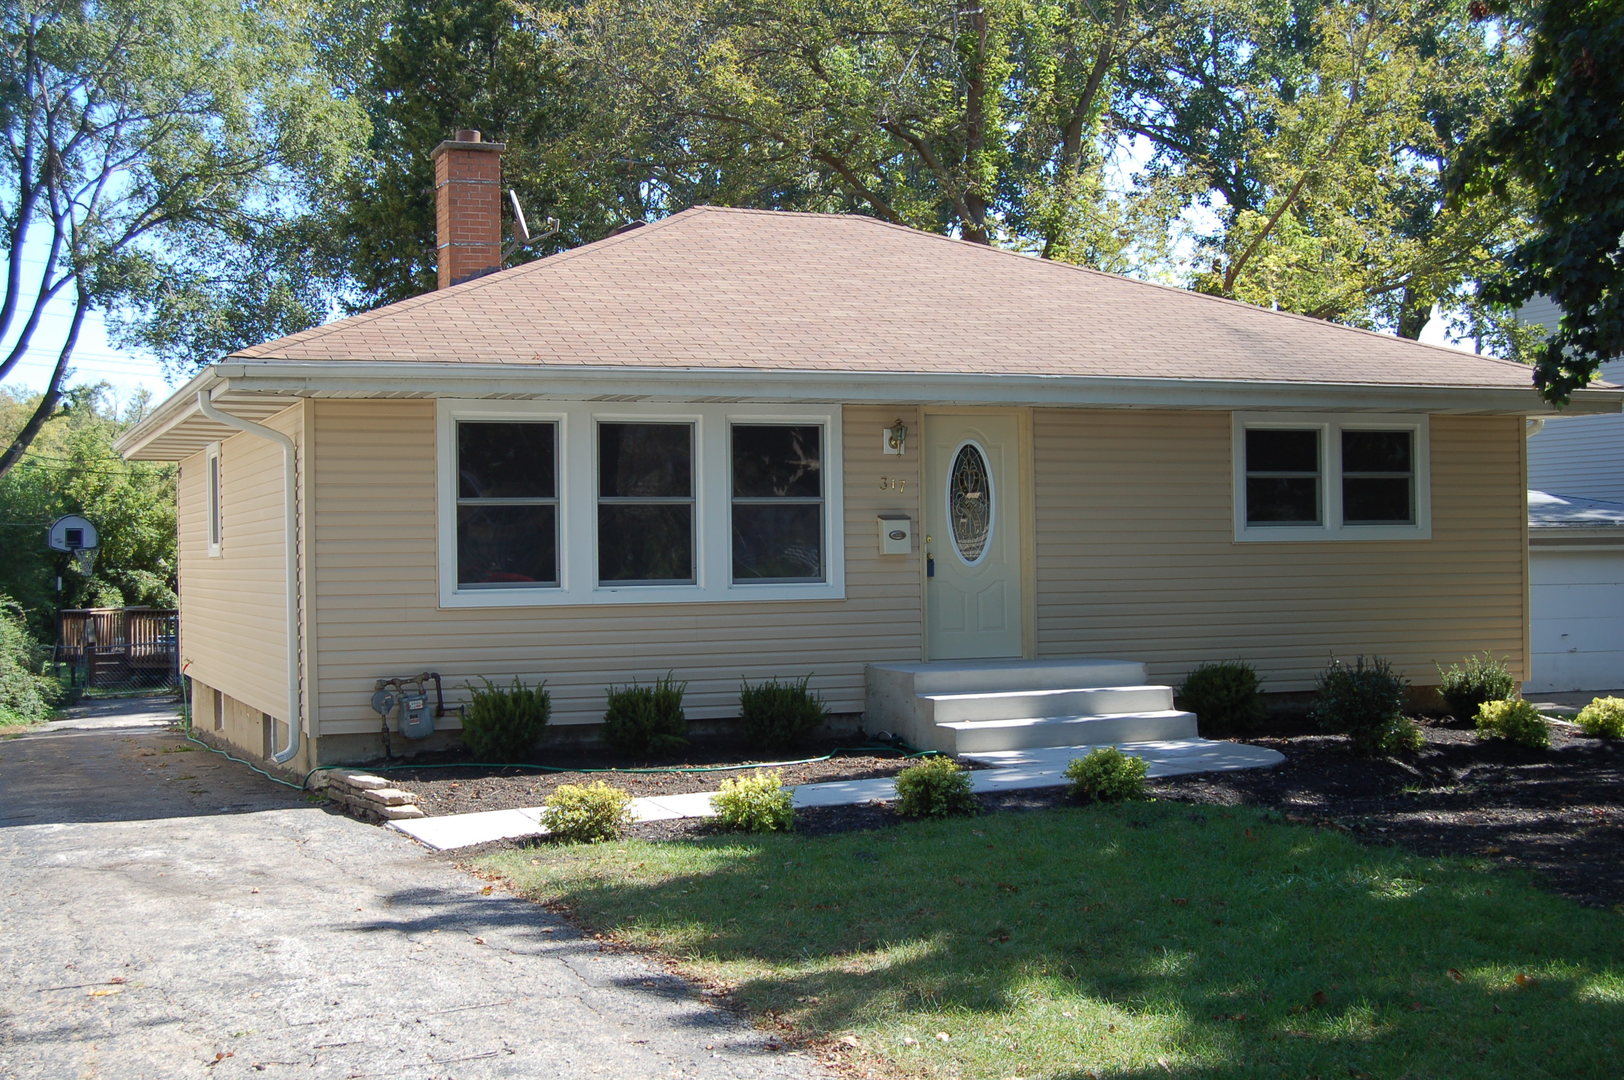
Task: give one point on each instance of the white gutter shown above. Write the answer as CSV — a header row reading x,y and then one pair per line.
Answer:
x,y
428,379
290,534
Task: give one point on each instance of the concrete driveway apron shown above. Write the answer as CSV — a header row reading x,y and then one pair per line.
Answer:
x,y
166,914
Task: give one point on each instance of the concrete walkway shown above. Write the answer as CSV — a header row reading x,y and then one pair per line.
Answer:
x,y
168,915
1012,770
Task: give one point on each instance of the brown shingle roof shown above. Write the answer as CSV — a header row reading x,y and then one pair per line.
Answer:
x,y
774,291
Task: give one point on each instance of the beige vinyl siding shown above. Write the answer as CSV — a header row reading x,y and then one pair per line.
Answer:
x,y
1581,455
1136,556
233,608
376,595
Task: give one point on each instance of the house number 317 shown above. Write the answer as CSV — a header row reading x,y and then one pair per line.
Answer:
x,y
893,483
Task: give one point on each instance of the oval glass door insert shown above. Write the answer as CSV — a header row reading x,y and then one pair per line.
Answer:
x,y
969,502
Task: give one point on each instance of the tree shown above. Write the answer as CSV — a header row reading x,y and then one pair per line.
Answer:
x,y
71,468
445,65
1320,139
981,120
1564,140
149,143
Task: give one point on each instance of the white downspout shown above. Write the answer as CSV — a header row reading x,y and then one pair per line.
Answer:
x,y
291,545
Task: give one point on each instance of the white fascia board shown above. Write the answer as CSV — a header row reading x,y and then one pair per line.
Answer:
x,y
431,380
171,411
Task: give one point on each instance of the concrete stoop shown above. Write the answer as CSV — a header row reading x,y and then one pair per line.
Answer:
x,y
989,706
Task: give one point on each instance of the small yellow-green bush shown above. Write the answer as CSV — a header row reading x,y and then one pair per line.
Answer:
x,y
1514,721
1603,717
1106,774
934,788
758,803
587,813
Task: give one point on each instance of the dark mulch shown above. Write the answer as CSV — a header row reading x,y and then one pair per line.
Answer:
x,y
456,789
1558,812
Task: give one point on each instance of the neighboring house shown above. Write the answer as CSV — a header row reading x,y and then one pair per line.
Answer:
x,y
738,444
1576,543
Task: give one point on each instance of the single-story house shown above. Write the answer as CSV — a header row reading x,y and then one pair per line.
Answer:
x,y
740,444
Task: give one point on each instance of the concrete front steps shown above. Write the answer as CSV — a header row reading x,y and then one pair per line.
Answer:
x,y
989,706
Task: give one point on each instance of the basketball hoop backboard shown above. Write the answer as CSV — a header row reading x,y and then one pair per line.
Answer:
x,y
72,533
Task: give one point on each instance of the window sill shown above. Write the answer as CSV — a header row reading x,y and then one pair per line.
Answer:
x,y
639,595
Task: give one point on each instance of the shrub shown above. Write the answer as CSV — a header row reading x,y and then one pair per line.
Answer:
x,y
935,788
778,714
1224,697
26,696
1106,774
1603,717
758,803
587,813
1466,686
1514,721
502,724
646,719
1365,702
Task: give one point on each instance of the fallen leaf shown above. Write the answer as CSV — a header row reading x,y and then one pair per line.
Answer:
x,y
849,1040
1525,980
1420,1006
106,991
118,980
910,1041
479,941
487,890
1456,975
1320,997
1180,901
944,1036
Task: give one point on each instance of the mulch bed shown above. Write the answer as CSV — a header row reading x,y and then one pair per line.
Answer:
x,y
1558,812
462,790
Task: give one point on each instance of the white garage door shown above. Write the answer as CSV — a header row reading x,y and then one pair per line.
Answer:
x,y
1576,603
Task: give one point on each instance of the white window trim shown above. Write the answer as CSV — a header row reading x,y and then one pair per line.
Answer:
x,y
1330,426
577,502
214,482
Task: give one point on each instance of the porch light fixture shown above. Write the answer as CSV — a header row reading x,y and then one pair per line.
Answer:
x,y
896,437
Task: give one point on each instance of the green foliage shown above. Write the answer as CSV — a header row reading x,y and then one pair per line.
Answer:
x,y
1467,685
1225,697
1106,774
1561,140
152,143
72,469
1603,718
1365,702
26,696
445,65
646,719
586,813
1514,721
935,787
757,803
503,724
780,714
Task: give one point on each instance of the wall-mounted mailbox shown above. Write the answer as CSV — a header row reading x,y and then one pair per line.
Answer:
x,y
896,534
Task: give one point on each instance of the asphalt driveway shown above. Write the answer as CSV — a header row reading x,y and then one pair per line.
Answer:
x,y
165,914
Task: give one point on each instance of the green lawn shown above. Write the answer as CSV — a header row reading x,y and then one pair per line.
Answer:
x,y
1141,940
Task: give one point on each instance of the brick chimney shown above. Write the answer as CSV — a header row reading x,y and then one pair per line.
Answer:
x,y
467,207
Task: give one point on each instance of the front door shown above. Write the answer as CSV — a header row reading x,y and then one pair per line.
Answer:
x,y
973,544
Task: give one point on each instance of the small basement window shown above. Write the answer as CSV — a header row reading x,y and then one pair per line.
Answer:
x,y
1342,478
